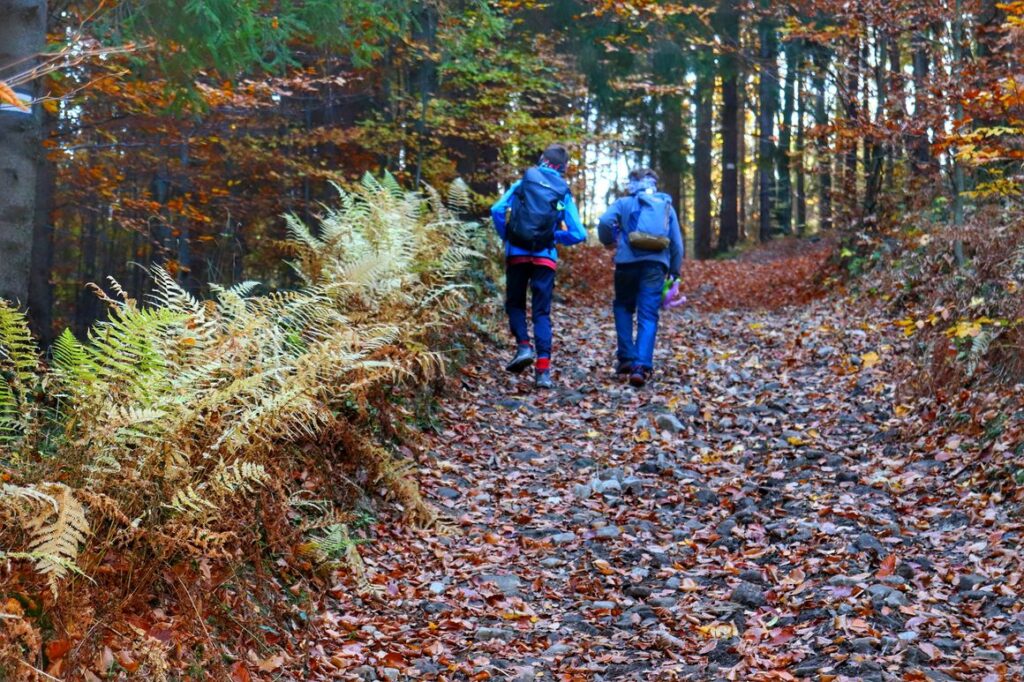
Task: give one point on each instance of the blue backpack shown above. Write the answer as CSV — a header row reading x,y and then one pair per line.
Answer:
x,y
649,223
536,210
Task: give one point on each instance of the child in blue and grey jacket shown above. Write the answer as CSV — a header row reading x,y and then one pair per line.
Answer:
x,y
534,269
639,276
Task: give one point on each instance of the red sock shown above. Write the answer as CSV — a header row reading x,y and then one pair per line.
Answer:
x,y
543,364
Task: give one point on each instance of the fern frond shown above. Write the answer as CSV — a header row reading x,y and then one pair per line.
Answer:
x,y
188,502
459,196
979,347
56,536
18,352
29,494
228,479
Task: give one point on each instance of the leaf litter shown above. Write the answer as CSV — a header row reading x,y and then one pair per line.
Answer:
x,y
756,513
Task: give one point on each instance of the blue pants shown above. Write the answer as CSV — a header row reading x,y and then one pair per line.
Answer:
x,y
638,292
540,280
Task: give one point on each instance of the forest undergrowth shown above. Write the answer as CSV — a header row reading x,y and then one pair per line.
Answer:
x,y
183,474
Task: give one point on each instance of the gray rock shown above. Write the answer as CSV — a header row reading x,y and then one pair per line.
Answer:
x,y
747,595
557,649
842,581
666,421
365,672
970,581
865,542
438,587
608,532
426,666
488,634
552,562
392,674
662,602
525,455
563,538
582,490
449,493
637,591
633,485
605,605
706,496
989,655
507,584
609,487
864,645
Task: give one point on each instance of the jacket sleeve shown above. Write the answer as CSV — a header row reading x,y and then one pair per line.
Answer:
x,y
575,232
677,247
608,224
499,209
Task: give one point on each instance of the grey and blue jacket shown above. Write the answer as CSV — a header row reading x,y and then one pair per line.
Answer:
x,y
611,230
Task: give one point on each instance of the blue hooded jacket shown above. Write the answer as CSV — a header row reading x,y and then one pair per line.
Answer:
x,y
575,233
609,231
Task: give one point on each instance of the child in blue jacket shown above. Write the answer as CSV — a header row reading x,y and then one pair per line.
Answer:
x,y
639,277
533,266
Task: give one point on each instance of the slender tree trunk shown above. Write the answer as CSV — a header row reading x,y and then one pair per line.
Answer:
x,y
874,147
671,152
919,138
741,153
851,111
957,40
40,289
768,96
821,61
426,83
85,311
702,98
896,108
728,21
22,35
793,52
801,138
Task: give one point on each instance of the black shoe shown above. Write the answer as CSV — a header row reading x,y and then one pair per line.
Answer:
x,y
624,367
524,358
543,379
639,376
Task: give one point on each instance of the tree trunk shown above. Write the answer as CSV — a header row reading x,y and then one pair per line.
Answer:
x,y
919,138
821,60
728,26
741,153
874,146
702,98
896,111
768,97
670,161
801,176
784,196
40,289
22,35
426,83
852,113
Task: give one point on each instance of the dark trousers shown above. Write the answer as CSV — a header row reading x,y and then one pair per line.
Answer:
x,y
638,294
540,280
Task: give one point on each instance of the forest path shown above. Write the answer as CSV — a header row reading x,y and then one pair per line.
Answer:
x,y
752,514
